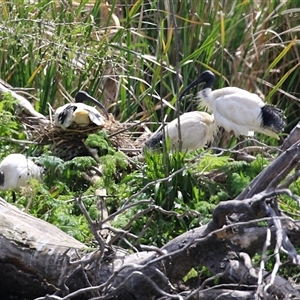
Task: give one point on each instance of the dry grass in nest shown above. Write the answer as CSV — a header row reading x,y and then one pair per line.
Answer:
x,y
70,143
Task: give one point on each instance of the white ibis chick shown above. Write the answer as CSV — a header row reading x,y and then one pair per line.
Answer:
x,y
197,129
16,170
239,110
78,113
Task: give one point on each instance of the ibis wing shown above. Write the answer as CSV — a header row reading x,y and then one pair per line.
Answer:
x,y
196,130
63,116
238,112
96,118
16,170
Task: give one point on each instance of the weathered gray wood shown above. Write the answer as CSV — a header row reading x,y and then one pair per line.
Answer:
x,y
38,256
24,105
33,253
280,168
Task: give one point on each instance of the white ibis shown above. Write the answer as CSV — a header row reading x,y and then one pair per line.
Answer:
x,y
197,129
238,110
78,113
15,172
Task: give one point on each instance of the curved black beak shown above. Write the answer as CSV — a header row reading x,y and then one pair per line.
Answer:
x,y
2,178
207,76
83,96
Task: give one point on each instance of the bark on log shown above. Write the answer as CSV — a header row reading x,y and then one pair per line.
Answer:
x,y
284,163
42,257
33,254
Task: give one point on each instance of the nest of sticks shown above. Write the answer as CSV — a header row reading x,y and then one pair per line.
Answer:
x,y
67,144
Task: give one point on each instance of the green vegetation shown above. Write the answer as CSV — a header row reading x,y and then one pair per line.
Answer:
x,y
134,59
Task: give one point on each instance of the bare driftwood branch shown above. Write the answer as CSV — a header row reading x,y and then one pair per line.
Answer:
x,y
224,249
24,105
272,175
50,262
33,252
